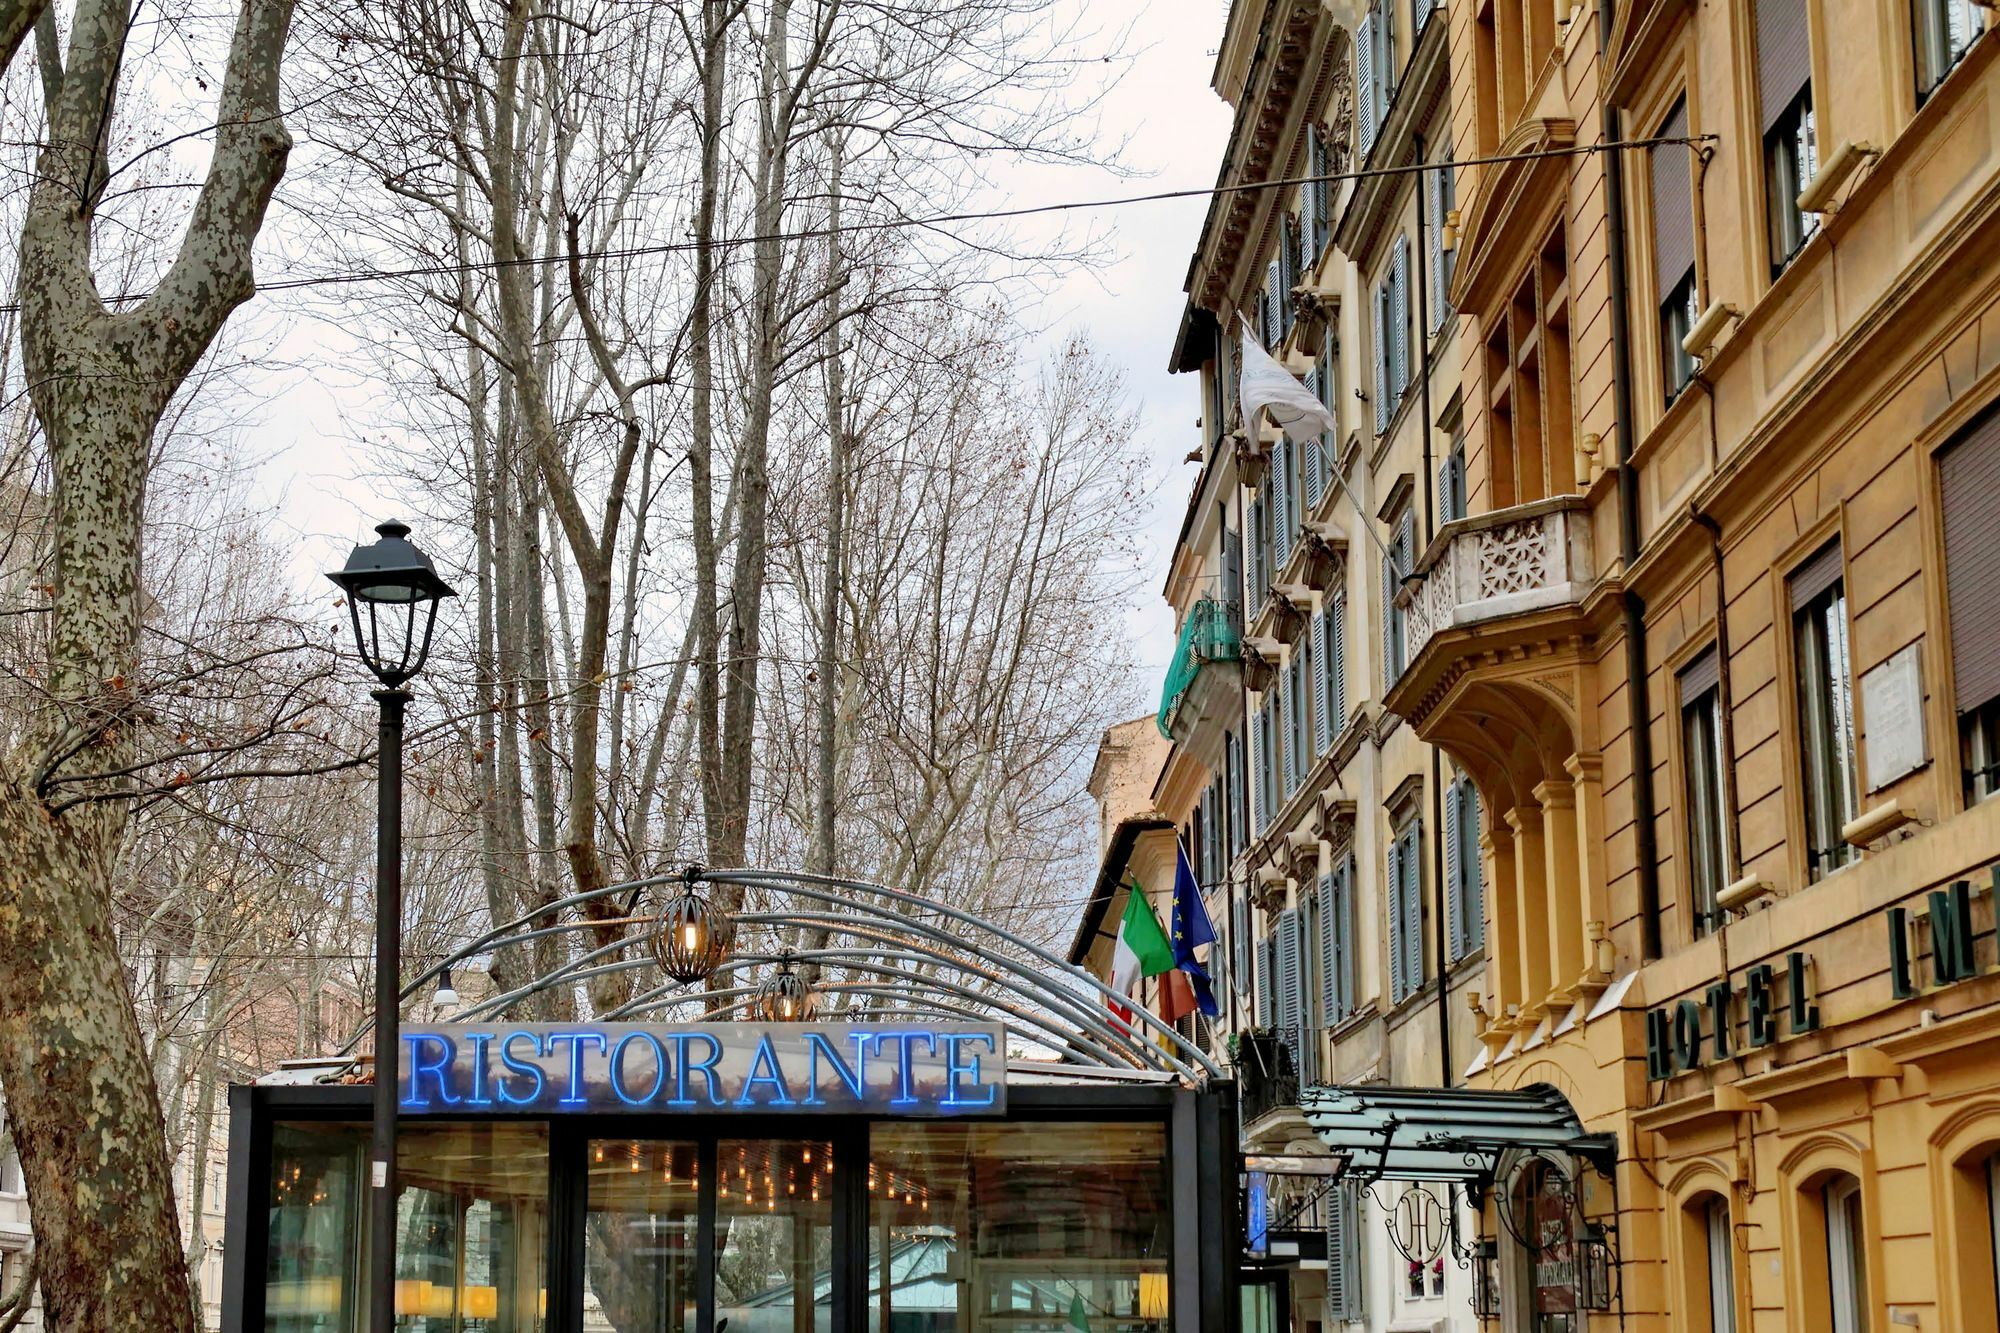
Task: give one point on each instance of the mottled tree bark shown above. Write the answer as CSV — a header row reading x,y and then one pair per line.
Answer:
x,y
85,1109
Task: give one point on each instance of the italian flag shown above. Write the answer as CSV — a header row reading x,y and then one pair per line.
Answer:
x,y
1142,950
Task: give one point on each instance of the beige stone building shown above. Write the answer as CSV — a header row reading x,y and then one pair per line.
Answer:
x,y
1630,657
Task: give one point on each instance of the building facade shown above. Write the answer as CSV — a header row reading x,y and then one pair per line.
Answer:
x,y
1336,847
1627,655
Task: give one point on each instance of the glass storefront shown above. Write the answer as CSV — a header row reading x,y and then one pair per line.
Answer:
x,y
970,1227
1045,1226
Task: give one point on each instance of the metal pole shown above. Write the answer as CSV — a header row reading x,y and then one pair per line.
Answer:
x,y
388,970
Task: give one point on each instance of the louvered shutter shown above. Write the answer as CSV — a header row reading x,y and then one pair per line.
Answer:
x,y
1288,269
1232,576
1329,953
1239,794
1475,869
1274,296
1287,706
1364,87
1315,467
1265,951
1454,878
1343,1255
1381,360
1390,579
1444,491
1399,313
1281,503
1673,205
1322,695
1336,661
1434,243
1413,906
1398,985
1388,69
1289,990
1784,57
1239,942
1969,482
1345,937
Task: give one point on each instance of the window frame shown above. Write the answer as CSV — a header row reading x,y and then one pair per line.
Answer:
x,y
1824,691
1791,149
1846,1255
1719,1237
1705,802
1933,57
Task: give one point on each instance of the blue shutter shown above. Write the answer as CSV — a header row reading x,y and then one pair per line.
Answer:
x,y
1399,312
1381,358
1413,905
1454,873
1316,476
1274,301
1390,579
1364,87
1239,942
1336,661
1287,706
1290,992
1331,1011
1281,503
1475,868
1265,953
1344,890
1397,983
1343,1255
1322,682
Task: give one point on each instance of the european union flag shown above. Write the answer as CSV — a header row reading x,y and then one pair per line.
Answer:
x,y
1192,929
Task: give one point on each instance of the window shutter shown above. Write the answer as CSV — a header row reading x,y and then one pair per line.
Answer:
x,y
1413,906
1364,87
1288,996
1336,662
1315,459
1673,205
1389,582
1274,297
1239,941
1454,877
1819,573
1330,1008
1475,869
1388,72
1434,243
1287,707
1397,983
1232,576
1344,925
1381,361
1281,503
1343,1255
1447,492
1264,982
1322,681
1784,56
1969,478
1399,311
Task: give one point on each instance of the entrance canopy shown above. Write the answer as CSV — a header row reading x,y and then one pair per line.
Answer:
x,y
1450,1134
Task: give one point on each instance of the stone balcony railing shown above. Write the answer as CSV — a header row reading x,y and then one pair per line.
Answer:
x,y
1509,562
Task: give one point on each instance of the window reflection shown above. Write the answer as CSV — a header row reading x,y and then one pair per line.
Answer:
x,y
1055,1226
774,1236
471,1228
640,1236
312,1262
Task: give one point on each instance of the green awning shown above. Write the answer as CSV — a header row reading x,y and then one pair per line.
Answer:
x,y
1209,634
1445,1133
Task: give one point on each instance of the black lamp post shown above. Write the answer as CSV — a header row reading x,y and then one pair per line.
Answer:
x,y
399,586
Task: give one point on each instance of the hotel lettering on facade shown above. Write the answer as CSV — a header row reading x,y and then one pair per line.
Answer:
x,y
1625,668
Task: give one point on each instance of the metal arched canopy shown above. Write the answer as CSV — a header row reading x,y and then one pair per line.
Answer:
x,y
954,962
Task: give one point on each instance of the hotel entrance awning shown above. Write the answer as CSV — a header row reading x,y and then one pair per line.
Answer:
x,y
1446,1133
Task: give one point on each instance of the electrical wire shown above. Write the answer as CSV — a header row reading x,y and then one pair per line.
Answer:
x,y
928,222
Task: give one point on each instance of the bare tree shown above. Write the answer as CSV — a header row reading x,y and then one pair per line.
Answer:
x,y
100,379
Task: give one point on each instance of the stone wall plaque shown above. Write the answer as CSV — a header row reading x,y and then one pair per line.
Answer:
x,y
1892,711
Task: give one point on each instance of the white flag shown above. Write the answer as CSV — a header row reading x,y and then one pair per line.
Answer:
x,y
1266,384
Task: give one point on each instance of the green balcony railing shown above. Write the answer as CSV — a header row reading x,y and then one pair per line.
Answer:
x,y
1209,634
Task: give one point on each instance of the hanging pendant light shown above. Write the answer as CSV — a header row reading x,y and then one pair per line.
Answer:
x,y
784,996
690,938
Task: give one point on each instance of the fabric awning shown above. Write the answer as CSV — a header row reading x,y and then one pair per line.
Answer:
x,y
1446,1133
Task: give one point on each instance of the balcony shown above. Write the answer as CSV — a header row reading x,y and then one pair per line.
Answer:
x,y
1204,679
1512,562
1265,1077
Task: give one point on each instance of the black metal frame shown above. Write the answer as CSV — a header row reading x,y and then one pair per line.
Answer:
x,y
1202,1166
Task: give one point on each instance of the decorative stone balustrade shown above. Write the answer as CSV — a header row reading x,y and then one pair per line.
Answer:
x,y
1508,562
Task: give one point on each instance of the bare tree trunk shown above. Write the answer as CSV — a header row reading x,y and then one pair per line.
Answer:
x,y
85,1108
821,849
712,56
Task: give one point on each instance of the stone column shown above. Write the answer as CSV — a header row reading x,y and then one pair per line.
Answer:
x,y
1532,905
1565,891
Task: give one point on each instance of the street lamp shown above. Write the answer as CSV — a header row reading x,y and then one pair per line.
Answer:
x,y
690,938
398,585
785,996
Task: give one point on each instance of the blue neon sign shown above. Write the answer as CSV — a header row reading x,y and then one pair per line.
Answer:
x,y
565,1068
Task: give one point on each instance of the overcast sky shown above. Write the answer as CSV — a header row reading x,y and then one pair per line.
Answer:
x,y
1173,127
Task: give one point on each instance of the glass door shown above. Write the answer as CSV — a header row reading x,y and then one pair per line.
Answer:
x,y
774,1254
641,1236
707,1235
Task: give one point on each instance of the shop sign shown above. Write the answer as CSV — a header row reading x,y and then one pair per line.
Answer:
x,y
1256,1212
786,1068
1952,937
1692,1032
1554,1251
